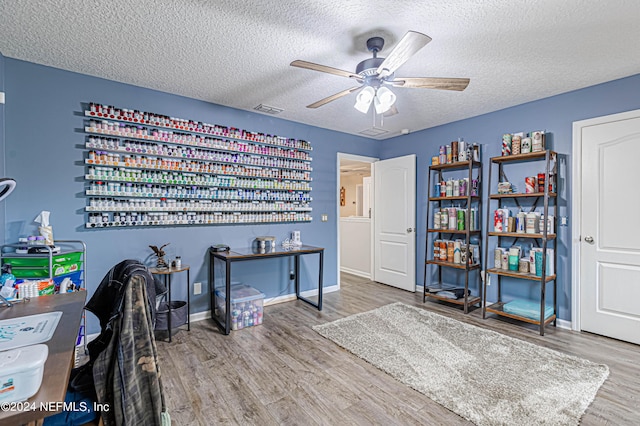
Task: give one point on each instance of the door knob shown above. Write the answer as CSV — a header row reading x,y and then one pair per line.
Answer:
x,y
409,230
589,239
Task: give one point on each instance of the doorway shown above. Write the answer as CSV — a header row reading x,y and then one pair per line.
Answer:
x,y
380,234
355,225
606,247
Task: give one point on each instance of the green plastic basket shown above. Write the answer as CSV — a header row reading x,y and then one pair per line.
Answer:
x,y
43,271
42,260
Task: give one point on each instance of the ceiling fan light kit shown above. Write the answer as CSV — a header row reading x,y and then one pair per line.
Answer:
x,y
364,98
373,74
384,100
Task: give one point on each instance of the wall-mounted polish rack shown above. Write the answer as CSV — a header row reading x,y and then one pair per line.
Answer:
x,y
146,169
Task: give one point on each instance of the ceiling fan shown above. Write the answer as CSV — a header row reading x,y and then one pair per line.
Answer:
x,y
375,74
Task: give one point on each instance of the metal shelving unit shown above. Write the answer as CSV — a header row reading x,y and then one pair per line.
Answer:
x,y
541,239
431,290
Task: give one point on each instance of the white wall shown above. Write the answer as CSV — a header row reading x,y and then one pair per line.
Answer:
x,y
349,183
355,246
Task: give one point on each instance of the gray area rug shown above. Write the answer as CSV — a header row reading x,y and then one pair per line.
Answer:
x,y
483,376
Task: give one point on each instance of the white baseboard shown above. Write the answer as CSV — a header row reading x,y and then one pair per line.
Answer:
x,y
355,272
279,299
560,323
325,290
199,316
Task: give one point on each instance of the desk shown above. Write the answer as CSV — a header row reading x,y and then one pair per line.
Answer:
x,y
61,350
168,273
238,255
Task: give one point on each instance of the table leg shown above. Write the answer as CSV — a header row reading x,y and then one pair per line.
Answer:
x,y
168,278
212,293
226,327
227,301
296,274
321,268
297,282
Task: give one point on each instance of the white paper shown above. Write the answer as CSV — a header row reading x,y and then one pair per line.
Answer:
x,y
45,228
29,330
43,218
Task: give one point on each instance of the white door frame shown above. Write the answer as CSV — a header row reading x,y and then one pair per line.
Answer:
x,y
576,202
353,157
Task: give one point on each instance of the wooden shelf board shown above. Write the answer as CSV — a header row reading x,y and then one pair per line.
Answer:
x,y
451,231
522,157
453,265
521,195
460,197
521,275
498,309
519,235
453,166
472,300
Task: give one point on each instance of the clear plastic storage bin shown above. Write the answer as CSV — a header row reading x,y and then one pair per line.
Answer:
x,y
246,306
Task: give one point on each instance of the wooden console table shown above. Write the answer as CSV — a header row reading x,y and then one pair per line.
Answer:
x,y
62,347
238,255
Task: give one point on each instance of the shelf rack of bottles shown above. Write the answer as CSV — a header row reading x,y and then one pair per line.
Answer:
x,y
468,229
544,239
147,169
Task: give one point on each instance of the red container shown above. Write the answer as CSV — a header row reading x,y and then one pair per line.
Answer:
x,y
530,184
540,182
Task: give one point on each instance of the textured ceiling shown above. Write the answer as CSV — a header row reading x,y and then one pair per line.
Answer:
x,y
237,52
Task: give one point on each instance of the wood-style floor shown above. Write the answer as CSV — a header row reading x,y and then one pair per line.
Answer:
x,y
282,372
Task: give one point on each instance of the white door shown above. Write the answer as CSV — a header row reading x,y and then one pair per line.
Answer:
x,y
610,234
394,217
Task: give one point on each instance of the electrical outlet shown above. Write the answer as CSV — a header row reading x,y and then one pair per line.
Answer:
x,y
197,288
325,217
564,221
292,275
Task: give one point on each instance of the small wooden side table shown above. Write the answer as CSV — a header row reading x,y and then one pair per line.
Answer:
x,y
167,273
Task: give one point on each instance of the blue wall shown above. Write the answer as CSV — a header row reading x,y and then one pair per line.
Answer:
x,y
44,152
555,115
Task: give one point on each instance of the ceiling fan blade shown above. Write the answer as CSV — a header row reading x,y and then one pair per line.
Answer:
x,y
332,97
458,84
324,68
406,48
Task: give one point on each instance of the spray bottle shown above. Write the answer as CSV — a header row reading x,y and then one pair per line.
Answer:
x,y
7,277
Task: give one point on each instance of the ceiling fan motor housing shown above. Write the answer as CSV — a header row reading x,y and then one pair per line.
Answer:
x,y
369,67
